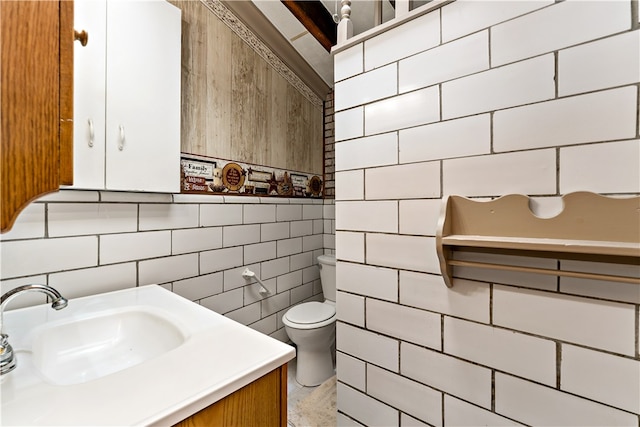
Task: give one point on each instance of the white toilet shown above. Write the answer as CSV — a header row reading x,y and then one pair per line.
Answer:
x,y
312,327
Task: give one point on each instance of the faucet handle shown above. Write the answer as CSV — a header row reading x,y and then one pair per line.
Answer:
x,y
7,361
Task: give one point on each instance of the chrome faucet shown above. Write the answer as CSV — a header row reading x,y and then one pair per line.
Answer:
x,y
7,358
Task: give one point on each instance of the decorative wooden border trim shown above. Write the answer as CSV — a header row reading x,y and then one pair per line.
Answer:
x,y
211,175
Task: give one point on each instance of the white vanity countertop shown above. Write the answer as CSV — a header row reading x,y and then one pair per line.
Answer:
x,y
218,357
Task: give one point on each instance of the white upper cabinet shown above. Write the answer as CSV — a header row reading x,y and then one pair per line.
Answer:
x,y
127,96
89,94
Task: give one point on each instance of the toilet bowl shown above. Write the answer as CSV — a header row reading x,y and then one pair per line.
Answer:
x,y
312,327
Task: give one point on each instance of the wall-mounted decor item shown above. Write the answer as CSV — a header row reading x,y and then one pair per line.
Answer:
x,y
233,176
590,227
208,175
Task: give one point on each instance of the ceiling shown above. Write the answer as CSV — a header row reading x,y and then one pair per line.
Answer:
x,y
306,45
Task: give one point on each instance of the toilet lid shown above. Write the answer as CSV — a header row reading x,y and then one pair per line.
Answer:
x,y
310,312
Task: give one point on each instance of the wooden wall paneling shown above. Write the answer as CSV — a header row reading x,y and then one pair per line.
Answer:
x,y
248,104
315,139
237,106
295,152
278,121
217,97
313,130
241,79
259,143
305,134
194,51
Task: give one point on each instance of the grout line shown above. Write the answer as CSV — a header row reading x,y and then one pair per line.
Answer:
x,y
637,319
558,364
556,76
493,390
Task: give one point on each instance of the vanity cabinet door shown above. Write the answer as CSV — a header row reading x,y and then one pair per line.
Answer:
x,y
36,72
143,96
89,94
127,121
263,403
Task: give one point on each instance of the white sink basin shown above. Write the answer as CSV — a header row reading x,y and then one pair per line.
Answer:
x,y
80,350
142,356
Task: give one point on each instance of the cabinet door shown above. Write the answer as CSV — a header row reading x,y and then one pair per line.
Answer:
x,y
89,94
143,101
30,103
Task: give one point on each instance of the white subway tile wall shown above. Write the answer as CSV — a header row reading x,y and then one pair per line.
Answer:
x,y
350,185
416,36
367,410
350,308
523,355
533,97
378,150
363,88
348,63
469,381
409,396
350,122
424,176
357,215
133,246
368,346
84,243
600,324
415,253
409,324
451,60
527,172
351,246
403,111
515,84
535,404
352,371
619,174
601,376
419,216
564,25
464,137
601,116
460,19
460,413
74,219
610,62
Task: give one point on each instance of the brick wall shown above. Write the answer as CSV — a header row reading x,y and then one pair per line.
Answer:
x,y
329,152
483,99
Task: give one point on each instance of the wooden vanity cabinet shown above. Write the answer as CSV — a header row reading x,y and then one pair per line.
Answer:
x,y
263,403
36,69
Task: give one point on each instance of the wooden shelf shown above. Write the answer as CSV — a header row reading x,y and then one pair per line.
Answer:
x,y
546,245
591,227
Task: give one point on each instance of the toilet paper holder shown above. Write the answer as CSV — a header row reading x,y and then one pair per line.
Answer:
x,y
248,274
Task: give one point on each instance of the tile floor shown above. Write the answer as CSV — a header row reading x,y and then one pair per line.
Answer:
x,y
295,391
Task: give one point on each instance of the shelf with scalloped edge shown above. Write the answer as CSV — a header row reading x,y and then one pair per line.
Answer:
x,y
591,227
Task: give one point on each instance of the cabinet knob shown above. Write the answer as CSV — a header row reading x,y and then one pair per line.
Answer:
x,y
82,36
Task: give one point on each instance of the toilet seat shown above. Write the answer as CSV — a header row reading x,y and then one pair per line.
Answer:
x,y
310,315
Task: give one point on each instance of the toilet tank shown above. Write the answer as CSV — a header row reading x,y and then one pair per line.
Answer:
x,y
327,266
